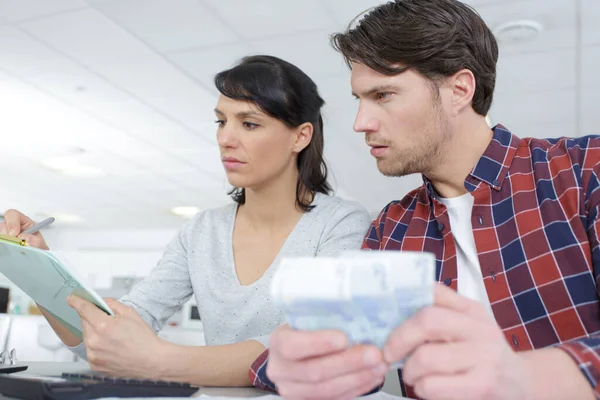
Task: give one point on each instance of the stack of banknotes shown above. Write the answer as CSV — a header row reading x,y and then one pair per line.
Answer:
x,y
365,294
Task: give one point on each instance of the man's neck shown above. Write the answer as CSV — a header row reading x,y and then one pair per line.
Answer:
x,y
467,144
273,205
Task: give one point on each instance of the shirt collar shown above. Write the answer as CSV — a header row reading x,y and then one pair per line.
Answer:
x,y
492,167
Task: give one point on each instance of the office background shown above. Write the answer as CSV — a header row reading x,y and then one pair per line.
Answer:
x,y
107,124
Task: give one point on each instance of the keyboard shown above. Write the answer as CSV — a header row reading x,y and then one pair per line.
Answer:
x,y
89,386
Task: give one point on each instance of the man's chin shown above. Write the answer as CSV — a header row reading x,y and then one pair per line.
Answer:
x,y
391,172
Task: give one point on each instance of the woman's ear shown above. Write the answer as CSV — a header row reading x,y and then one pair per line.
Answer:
x,y
303,136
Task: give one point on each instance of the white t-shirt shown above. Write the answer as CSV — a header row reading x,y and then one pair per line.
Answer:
x,y
470,279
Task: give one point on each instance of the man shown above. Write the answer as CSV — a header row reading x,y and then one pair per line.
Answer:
x,y
513,224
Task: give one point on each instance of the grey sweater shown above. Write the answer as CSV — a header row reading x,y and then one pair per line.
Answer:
x,y
199,262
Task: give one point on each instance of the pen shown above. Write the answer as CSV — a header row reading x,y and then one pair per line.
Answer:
x,y
41,225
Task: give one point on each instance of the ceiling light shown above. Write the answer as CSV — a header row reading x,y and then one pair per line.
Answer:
x,y
518,31
185,211
83,171
70,166
60,163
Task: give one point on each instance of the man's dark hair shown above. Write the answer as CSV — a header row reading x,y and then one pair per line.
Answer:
x,y
284,92
437,38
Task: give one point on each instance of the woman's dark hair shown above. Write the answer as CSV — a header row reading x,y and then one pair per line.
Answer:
x,y
282,91
437,38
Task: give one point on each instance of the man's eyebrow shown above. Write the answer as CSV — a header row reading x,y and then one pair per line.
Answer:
x,y
377,89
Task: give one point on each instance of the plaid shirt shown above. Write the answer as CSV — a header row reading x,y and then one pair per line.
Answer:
x,y
536,229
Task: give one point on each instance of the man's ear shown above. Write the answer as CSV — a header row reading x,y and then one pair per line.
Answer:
x,y
462,84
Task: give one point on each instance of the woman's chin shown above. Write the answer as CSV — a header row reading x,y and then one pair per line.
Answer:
x,y
235,181
247,181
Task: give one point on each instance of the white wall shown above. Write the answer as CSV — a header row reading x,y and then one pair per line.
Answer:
x,y
97,256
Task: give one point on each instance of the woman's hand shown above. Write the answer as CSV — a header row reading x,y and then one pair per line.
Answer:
x,y
15,223
120,345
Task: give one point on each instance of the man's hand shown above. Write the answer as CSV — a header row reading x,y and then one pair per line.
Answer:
x,y
455,350
319,365
15,223
123,345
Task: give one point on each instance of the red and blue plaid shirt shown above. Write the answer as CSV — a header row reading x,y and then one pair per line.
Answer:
x,y
536,229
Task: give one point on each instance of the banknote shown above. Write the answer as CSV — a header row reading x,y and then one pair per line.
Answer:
x,y
364,294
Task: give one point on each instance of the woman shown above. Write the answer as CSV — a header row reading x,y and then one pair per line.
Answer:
x,y
270,135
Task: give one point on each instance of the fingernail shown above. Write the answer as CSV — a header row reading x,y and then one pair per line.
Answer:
x,y
381,369
387,354
339,343
12,232
371,357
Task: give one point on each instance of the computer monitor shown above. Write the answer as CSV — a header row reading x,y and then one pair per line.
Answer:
x,y
191,315
4,299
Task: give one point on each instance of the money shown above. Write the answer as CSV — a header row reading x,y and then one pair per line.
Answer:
x,y
364,294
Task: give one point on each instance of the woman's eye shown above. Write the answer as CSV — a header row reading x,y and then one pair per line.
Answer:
x,y
250,125
220,122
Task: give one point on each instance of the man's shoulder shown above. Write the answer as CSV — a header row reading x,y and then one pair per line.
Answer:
x,y
398,213
397,209
581,153
553,145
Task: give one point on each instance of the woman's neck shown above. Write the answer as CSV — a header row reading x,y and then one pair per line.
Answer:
x,y
274,204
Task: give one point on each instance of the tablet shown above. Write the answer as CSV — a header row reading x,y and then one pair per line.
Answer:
x,y
47,278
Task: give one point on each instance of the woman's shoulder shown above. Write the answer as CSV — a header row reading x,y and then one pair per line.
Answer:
x,y
342,223
326,204
335,209
210,218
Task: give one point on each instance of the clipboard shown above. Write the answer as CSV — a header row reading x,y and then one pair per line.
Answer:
x,y
47,278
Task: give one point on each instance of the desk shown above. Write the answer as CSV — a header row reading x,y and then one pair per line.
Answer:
x,y
57,368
